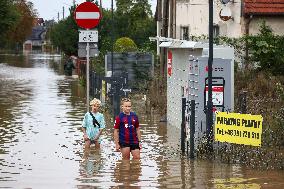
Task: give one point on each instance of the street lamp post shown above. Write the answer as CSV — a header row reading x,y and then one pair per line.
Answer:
x,y
209,113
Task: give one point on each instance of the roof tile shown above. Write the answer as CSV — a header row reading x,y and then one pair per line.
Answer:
x,y
264,7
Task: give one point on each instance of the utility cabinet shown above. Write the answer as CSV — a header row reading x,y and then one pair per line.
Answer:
x,y
222,89
188,77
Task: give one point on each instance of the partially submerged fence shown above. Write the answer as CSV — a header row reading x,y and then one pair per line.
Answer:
x,y
270,155
108,89
139,66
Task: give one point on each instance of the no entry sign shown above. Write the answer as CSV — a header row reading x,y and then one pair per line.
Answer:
x,y
87,15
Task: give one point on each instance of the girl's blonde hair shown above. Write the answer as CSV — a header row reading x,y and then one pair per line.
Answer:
x,y
95,101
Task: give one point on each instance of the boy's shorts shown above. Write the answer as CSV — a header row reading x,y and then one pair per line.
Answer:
x,y
132,146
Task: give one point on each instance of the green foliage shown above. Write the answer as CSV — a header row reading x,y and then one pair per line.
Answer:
x,y
132,19
98,64
266,49
8,17
65,35
136,19
261,52
239,45
125,44
105,28
149,46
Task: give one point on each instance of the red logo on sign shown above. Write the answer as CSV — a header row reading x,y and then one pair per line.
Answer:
x,y
87,15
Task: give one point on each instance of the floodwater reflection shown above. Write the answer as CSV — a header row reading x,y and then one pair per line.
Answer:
x,y
128,173
91,163
41,144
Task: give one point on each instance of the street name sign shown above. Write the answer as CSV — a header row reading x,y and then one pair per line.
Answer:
x,y
88,36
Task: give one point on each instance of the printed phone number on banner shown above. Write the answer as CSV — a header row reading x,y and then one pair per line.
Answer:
x,y
238,133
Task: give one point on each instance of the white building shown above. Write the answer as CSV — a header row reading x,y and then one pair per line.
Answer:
x,y
181,19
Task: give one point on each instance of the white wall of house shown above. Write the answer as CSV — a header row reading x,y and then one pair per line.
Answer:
x,y
195,15
276,23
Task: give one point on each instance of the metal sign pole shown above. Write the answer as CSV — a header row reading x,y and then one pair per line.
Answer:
x,y
88,75
112,38
87,15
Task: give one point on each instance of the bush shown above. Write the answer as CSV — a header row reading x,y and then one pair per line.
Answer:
x,y
125,44
266,50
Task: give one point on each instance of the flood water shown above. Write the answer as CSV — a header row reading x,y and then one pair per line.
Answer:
x,y
41,144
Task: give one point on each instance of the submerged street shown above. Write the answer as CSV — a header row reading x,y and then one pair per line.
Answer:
x,y
41,144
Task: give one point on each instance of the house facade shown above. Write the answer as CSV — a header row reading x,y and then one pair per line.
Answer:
x,y
181,19
37,38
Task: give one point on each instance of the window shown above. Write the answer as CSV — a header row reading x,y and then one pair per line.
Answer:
x,y
184,33
216,30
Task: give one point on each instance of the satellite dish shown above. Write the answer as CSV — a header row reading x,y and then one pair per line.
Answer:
x,y
225,1
225,14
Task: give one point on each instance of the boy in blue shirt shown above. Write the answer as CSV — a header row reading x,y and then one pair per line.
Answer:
x,y
93,125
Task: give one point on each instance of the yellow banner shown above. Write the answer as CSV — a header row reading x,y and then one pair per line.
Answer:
x,y
238,128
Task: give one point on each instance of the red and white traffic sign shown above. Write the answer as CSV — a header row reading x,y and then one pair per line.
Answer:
x,y
87,15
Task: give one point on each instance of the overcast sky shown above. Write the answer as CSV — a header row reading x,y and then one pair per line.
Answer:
x,y
48,9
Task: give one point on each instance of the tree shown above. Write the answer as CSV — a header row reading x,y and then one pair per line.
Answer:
x,y
124,6
8,18
130,20
136,20
22,28
106,32
65,34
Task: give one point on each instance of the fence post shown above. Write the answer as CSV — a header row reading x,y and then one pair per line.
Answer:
x,y
125,83
116,97
182,128
192,128
243,102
